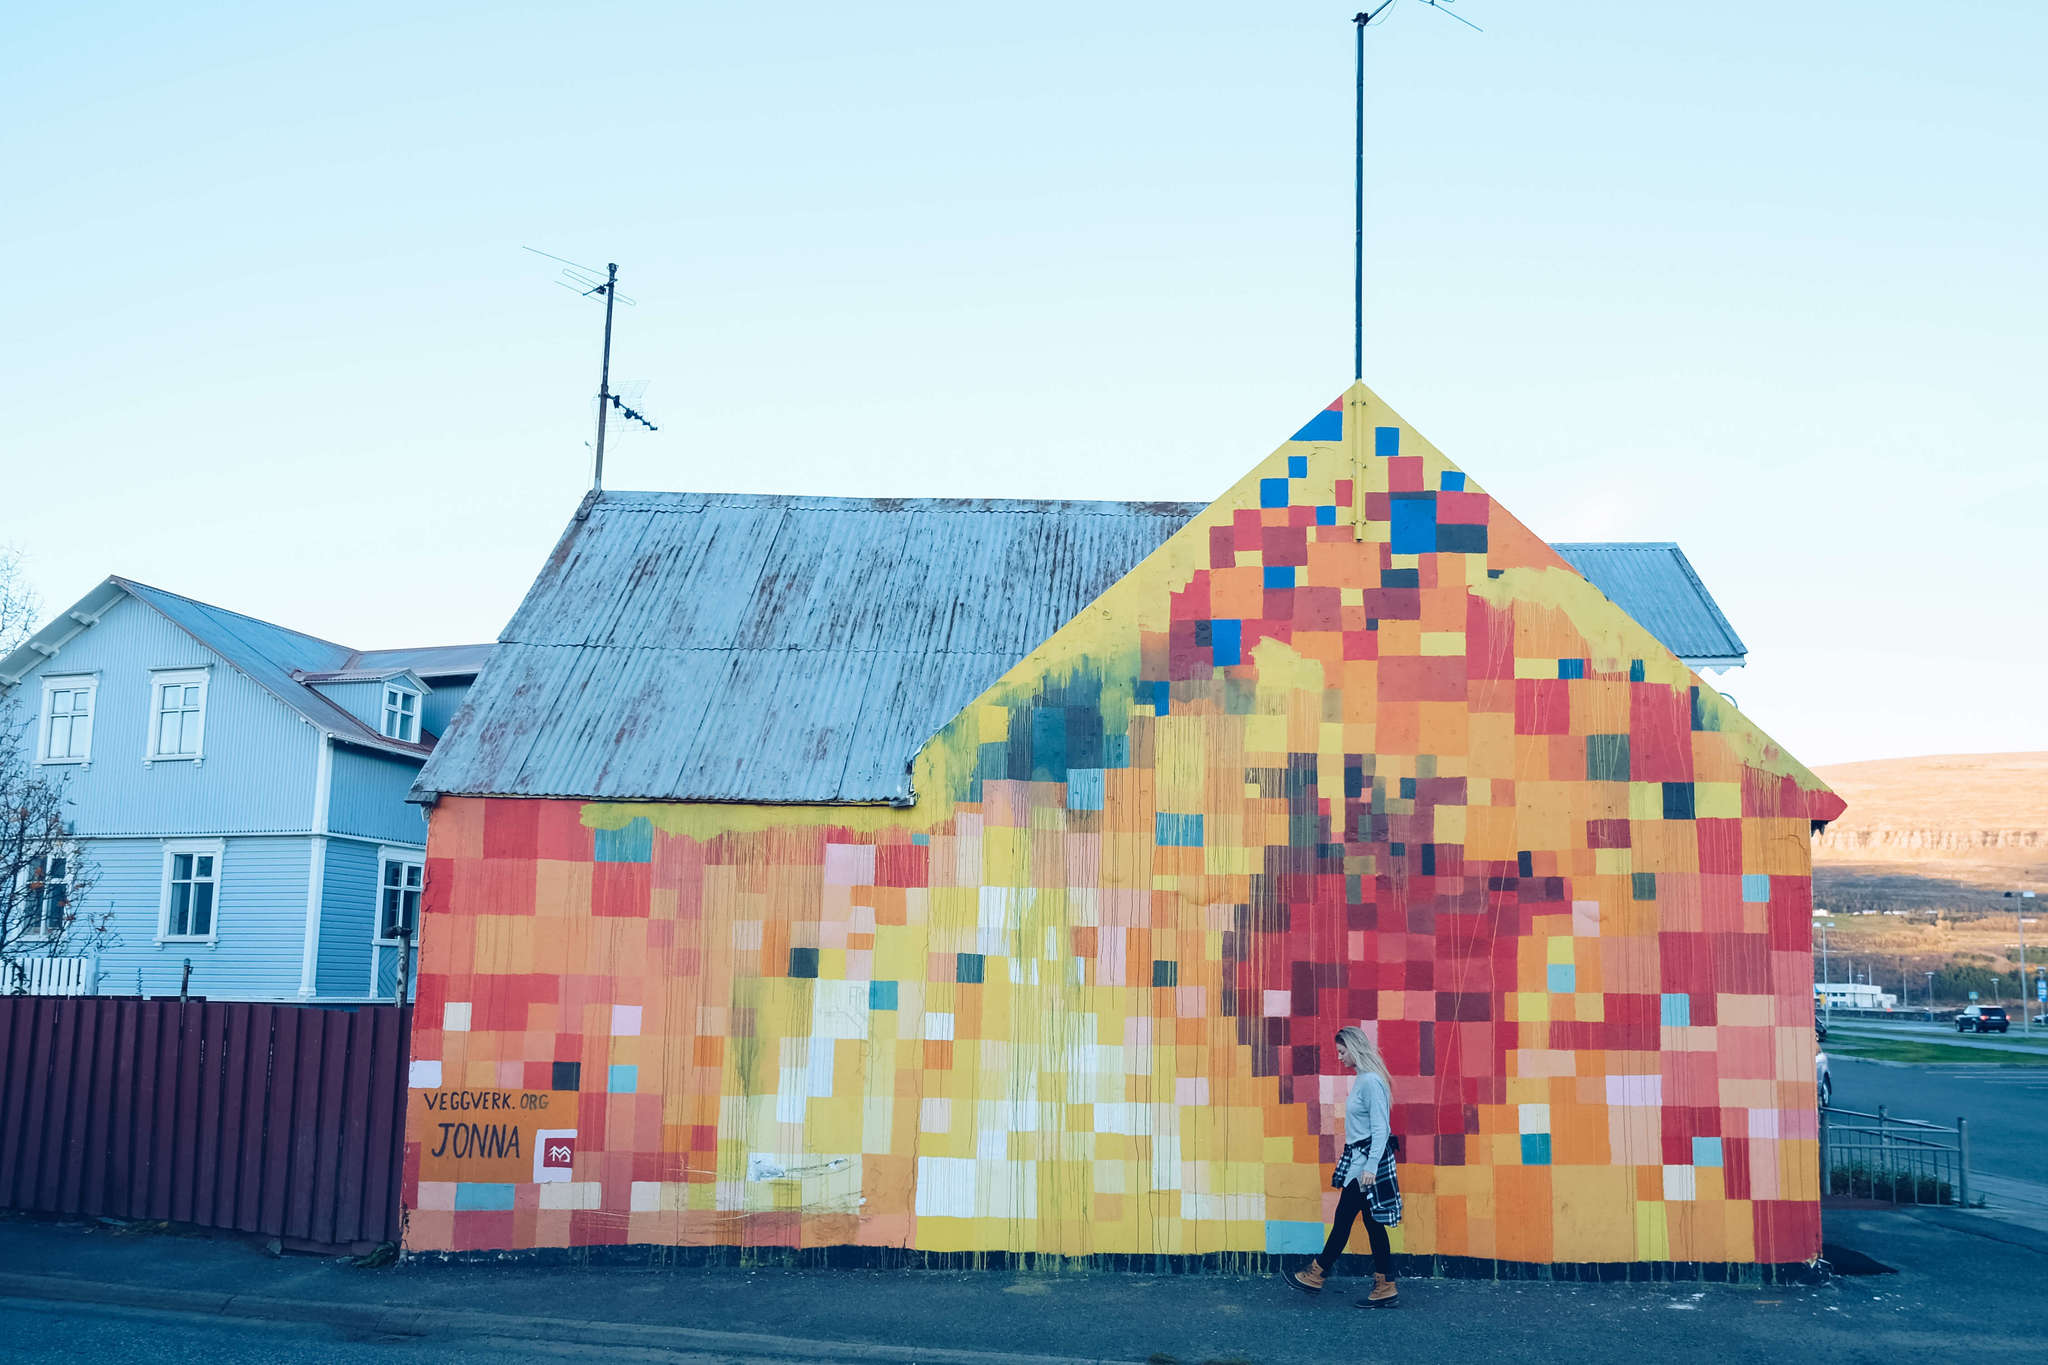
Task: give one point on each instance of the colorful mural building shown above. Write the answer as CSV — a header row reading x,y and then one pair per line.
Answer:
x,y
991,877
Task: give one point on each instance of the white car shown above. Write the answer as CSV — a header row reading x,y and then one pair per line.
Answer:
x,y
1823,1081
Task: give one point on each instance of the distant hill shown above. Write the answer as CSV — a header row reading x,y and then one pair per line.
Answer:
x,y
1948,831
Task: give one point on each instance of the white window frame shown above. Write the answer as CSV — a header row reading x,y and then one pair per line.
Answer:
x,y
386,858
42,930
395,695
160,678
214,848
88,683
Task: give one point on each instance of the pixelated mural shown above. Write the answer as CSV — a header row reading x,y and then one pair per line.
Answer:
x,y
1354,746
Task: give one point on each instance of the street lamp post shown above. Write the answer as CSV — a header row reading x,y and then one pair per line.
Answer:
x,y
1827,999
1930,997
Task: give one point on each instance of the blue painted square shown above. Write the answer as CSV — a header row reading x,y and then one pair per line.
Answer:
x,y
1386,441
1564,978
881,995
1413,519
1635,670
1279,575
1159,694
1084,789
1226,639
1177,831
623,1080
481,1197
1676,1011
1706,1151
1048,743
1285,1238
1116,749
1643,885
1571,668
1452,481
920,839
1326,516
1272,492
969,969
803,963
1535,1149
1297,466
1327,425
1756,888
634,843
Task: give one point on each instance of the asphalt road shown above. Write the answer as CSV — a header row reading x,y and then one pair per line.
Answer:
x,y
2007,1107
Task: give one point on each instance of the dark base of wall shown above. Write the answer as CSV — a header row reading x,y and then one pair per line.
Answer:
x,y
1221,1263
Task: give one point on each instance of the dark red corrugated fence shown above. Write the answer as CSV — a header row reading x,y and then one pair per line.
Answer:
x,y
286,1120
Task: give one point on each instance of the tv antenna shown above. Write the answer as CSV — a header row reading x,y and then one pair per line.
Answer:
x,y
585,280
1364,19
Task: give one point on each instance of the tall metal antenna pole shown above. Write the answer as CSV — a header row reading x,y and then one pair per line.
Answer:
x,y
604,382
1358,215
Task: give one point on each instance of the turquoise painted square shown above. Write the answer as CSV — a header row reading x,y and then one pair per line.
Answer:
x,y
1607,758
1706,1151
632,844
921,839
1756,888
483,1197
881,995
623,1080
1084,789
1644,884
1677,1011
1284,1238
1535,1149
1177,831
1564,977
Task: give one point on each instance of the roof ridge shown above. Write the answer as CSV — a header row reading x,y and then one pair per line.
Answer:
x,y
230,611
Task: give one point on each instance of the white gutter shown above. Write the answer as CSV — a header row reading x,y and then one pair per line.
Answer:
x,y
316,871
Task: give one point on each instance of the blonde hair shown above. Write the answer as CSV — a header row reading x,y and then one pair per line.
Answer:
x,y
1356,1049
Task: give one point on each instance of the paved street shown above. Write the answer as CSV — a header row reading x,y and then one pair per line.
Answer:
x,y
1968,1287
2007,1107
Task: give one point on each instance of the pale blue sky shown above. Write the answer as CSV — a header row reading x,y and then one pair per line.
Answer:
x,y
1764,279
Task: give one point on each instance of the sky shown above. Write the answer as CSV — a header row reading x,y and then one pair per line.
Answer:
x,y
1767,280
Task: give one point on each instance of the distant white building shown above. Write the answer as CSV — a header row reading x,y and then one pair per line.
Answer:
x,y
1854,995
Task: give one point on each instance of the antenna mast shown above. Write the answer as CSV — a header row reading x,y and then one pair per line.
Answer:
x,y
1362,19
610,289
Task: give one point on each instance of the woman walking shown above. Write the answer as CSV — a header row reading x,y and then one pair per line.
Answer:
x,y
1364,1175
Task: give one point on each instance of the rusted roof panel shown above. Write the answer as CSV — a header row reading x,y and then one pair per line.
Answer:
x,y
727,647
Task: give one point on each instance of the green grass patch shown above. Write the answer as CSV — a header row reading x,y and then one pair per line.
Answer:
x,y
1920,1053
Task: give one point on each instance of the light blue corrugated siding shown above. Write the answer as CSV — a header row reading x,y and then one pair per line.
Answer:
x,y
369,797
348,902
442,704
261,915
259,760
363,700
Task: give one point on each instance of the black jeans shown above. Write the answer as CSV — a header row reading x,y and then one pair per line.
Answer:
x,y
1350,1204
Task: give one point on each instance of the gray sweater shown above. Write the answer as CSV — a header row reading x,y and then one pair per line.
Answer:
x,y
1368,1117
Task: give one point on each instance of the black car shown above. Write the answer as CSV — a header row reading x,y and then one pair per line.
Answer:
x,y
1982,1019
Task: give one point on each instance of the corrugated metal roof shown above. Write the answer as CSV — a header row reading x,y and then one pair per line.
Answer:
x,y
749,647
1655,583
429,661
754,647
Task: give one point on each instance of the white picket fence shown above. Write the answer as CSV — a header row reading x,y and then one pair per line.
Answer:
x,y
50,976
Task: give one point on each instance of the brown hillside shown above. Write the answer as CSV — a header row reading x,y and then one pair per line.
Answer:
x,y
1946,830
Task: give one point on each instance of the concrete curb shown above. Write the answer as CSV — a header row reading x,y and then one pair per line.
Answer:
x,y
432,1322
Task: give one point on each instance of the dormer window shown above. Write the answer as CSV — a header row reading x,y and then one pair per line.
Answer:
x,y
401,714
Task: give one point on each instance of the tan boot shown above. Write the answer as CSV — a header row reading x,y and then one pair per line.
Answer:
x,y
1308,1279
1383,1295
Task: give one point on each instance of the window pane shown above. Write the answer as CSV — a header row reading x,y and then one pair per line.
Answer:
x,y
57,873
202,907
192,695
412,874
181,867
391,873
181,907
206,864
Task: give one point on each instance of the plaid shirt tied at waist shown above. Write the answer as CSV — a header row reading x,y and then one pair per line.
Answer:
x,y
1383,1199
